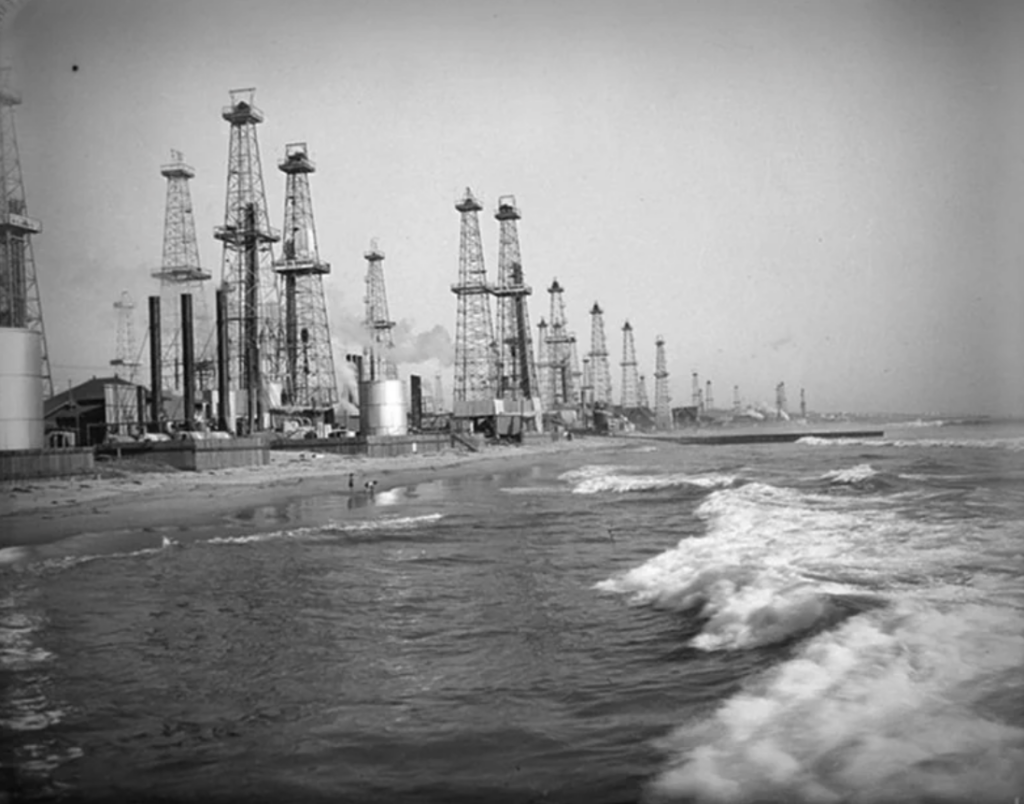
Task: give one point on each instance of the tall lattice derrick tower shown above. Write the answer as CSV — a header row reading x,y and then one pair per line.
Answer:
x,y
563,372
709,399
516,371
600,374
20,305
544,383
310,383
630,379
662,399
643,401
474,334
247,264
377,357
180,272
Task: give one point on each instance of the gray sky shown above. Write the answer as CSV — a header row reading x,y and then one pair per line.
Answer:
x,y
829,194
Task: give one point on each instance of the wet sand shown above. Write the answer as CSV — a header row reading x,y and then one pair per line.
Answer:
x,y
134,495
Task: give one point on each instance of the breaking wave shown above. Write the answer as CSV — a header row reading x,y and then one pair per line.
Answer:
x,y
855,474
901,679
901,704
775,563
599,479
332,530
1009,444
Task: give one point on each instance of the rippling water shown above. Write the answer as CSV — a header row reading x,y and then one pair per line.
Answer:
x,y
794,622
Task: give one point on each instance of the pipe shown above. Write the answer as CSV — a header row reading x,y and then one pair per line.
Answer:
x,y
188,361
155,367
223,416
251,322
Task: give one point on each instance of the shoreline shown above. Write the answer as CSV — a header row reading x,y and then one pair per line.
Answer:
x,y
134,496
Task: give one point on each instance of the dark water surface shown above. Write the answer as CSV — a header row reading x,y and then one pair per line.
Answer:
x,y
792,622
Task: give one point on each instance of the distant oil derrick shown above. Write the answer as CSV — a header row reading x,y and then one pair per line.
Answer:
x,y
736,403
247,267
438,394
125,355
696,397
780,401
515,371
630,379
310,382
587,384
562,367
474,335
601,378
643,401
179,273
709,400
662,400
377,358
20,305
544,383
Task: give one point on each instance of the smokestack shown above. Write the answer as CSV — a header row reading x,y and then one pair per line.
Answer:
x,y
155,367
253,382
416,398
223,416
188,360
140,405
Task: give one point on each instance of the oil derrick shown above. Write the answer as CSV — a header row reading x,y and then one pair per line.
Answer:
x,y
709,400
310,383
377,359
630,380
438,394
587,385
577,372
125,355
544,367
247,266
516,371
736,405
803,404
562,370
696,397
20,305
662,400
643,401
601,378
780,401
474,335
180,273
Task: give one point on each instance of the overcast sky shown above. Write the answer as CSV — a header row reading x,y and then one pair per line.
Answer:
x,y
828,194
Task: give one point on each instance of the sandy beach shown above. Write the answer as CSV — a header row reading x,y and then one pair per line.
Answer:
x,y
143,496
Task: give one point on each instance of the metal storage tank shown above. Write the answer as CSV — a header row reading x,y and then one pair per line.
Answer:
x,y
21,389
382,408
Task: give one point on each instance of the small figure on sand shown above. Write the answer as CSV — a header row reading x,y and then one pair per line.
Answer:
x,y
351,479
370,486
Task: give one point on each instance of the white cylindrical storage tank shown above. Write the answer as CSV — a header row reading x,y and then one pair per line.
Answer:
x,y
21,389
383,406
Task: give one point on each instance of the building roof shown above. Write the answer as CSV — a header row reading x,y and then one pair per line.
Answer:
x,y
86,394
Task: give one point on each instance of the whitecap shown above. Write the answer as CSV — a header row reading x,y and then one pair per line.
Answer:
x,y
854,474
890,706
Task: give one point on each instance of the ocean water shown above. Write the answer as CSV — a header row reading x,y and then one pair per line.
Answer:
x,y
825,621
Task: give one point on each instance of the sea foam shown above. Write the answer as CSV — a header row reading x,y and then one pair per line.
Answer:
x,y
893,705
